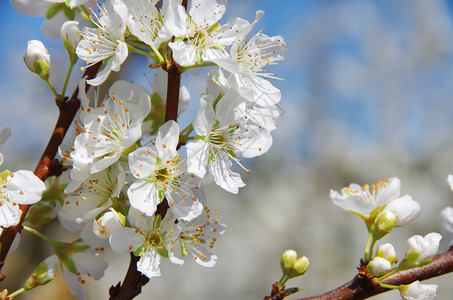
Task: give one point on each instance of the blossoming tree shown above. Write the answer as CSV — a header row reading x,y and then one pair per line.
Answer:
x,y
136,178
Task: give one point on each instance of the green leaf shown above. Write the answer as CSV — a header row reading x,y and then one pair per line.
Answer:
x,y
54,9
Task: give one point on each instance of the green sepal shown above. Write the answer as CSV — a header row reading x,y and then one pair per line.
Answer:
x,y
184,250
200,138
69,264
80,248
161,195
3,176
54,9
40,213
69,13
214,27
199,58
71,51
39,276
42,69
231,152
67,2
141,250
162,251
156,99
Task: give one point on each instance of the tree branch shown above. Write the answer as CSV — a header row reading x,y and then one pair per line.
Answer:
x,y
132,283
362,287
67,111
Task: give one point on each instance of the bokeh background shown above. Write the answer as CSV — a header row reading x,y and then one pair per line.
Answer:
x,y
368,95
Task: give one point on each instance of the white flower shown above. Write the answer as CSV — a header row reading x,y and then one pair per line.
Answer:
x,y
195,238
368,203
21,187
106,132
426,247
248,60
150,238
379,266
222,137
145,21
446,226
94,196
37,58
162,174
204,39
106,42
262,113
418,291
4,135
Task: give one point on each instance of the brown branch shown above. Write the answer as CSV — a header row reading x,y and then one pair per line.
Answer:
x,y
67,111
361,287
132,283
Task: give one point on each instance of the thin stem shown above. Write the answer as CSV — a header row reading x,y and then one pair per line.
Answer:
x,y
283,280
71,66
52,88
373,244
211,64
186,131
159,56
383,277
19,291
368,246
38,234
136,50
389,286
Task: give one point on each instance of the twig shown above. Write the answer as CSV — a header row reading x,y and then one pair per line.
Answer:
x,y
361,287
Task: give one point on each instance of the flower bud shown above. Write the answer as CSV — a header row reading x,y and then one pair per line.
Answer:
x,y
405,208
384,224
43,274
421,250
416,290
291,266
37,59
301,266
108,224
379,266
70,35
288,260
388,252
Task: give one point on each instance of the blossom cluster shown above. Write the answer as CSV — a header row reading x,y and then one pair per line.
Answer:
x,y
137,180
383,208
